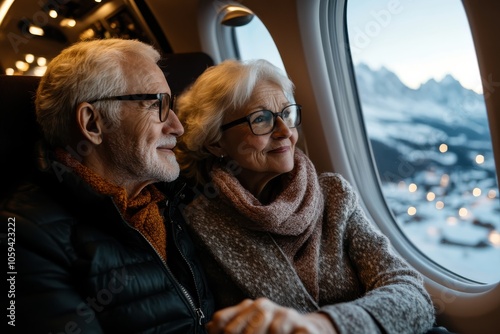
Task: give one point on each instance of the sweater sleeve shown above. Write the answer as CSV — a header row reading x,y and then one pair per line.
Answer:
x,y
46,297
395,300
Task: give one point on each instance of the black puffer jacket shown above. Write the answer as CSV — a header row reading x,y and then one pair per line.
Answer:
x,y
80,268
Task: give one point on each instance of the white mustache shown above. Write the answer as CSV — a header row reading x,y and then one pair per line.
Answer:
x,y
170,141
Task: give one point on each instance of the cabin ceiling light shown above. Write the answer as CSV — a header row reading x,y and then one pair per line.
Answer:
x,y
41,61
70,23
29,58
39,71
22,66
87,34
236,16
34,30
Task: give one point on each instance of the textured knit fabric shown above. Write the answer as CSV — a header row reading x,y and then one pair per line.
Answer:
x,y
294,218
311,249
141,212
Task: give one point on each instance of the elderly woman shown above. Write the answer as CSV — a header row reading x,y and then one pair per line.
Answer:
x,y
269,226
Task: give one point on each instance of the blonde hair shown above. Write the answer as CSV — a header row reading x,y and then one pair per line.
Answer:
x,y
85,71
221,89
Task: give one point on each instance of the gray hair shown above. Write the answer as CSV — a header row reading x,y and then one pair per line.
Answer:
x,y
221,89
85,71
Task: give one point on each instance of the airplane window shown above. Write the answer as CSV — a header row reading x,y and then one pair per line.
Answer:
x,y
255,33
422,100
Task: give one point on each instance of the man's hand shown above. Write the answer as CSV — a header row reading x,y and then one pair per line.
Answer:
x,y
263,316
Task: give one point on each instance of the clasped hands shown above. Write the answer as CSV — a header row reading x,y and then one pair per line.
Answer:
x,y
262,316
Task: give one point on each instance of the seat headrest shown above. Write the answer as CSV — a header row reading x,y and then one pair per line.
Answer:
x,y
18,128
182,69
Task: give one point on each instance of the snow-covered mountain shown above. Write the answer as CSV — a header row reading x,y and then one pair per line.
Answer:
x,y
414,122
406,128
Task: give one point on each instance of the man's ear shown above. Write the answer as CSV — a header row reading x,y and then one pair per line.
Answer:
x,y
89,122
216,149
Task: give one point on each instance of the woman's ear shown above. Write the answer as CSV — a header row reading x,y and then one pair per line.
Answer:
x,y
216,149
89,122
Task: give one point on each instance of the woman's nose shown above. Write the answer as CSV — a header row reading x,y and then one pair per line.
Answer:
x,y
281,129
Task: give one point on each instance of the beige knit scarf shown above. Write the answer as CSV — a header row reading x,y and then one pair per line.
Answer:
x,y
293,219
141,212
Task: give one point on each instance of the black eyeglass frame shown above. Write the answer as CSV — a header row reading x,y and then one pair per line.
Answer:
x,y
247,118
144,97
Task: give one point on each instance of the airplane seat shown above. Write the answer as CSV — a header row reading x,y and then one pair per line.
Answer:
x,y
182,69
19,130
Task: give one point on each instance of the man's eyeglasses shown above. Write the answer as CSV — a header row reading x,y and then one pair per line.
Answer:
x,y
165,101
263,122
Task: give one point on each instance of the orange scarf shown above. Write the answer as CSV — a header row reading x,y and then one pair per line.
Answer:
x,y
141,212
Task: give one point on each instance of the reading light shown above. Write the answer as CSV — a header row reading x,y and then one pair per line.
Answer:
x,y
236,16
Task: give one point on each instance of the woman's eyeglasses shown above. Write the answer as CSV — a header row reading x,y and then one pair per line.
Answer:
x,y
263,122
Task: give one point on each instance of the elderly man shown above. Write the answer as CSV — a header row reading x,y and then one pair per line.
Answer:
x,y
98,247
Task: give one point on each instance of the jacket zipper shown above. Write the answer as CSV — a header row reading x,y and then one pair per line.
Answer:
x,y
199,313
197,310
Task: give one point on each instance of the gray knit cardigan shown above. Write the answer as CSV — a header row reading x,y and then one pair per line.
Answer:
x,y
364,286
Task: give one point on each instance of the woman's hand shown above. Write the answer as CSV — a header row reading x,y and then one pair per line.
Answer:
x,y
264,316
